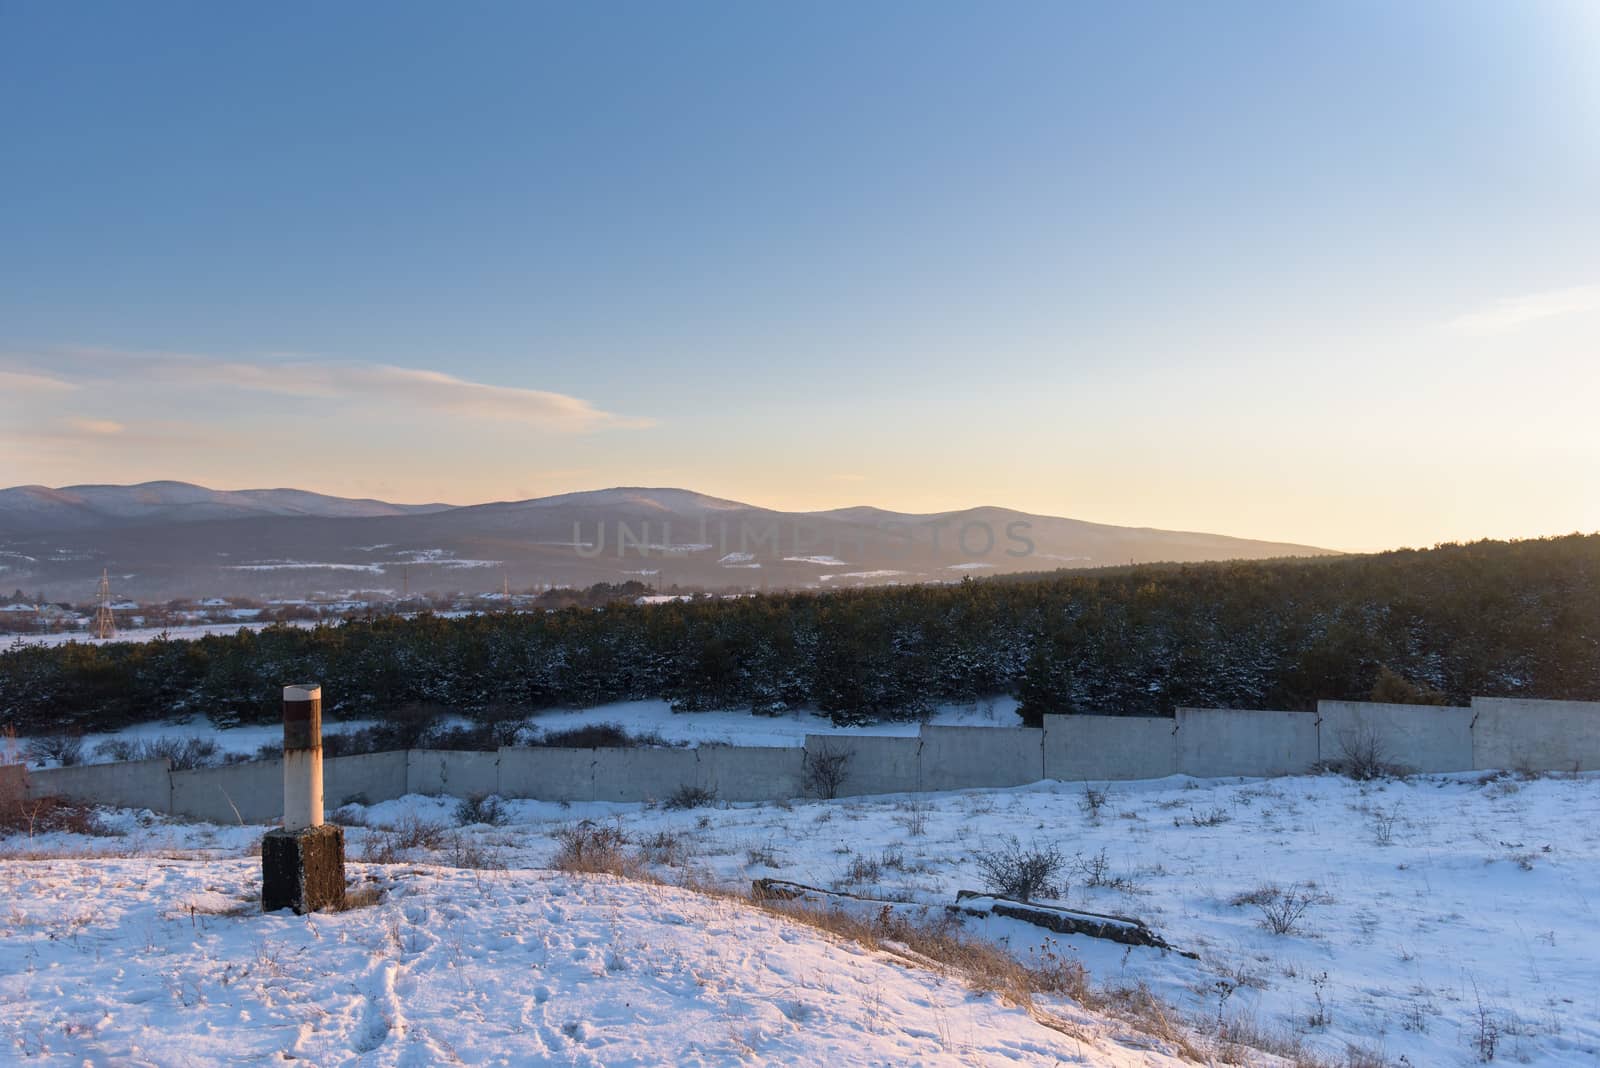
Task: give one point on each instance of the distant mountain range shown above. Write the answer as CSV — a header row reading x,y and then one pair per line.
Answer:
x,y
173,539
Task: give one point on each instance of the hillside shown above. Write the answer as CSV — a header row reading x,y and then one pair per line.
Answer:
x,y
1497,619
168,539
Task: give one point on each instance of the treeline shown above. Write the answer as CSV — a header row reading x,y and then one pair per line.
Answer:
x,y
1489,618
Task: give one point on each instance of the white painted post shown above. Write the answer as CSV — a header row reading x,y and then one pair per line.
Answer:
x,y
302,757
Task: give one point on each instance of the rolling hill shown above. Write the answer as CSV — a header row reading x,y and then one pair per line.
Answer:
x,y
173,539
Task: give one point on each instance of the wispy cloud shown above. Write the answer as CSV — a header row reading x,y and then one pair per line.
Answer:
x,y
100,427
1513,312
20,381
410,391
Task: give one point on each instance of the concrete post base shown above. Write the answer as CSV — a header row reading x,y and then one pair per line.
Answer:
x,y
303,870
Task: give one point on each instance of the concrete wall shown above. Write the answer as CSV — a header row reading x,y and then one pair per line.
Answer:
x,y
234,793
129,784
1495,733
961,758
642,774
366,778
549,774
13,783
878,764
1214,742
457,773
1510,733
1424,738
746,773
1109,747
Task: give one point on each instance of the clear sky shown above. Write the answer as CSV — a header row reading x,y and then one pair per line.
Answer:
x,y
1325,272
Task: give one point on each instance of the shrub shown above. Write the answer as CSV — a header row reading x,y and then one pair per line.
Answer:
x,y
766,855
587,846
1395,689
64,749
1282,910
1214,817
1014,872
467,852
477,737
668,848
185,754
914,818
42,815
825,770
481,808
1093,800
598,736
863,870
1363,756
413,832
687,796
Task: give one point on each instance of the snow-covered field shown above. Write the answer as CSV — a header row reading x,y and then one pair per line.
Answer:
x,y
636,717
145,634
1446,919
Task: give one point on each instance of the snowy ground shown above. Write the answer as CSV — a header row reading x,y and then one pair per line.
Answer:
x,y
168,962
1446,915
146,634
637,717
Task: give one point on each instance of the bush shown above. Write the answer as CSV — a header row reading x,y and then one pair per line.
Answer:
x,y
185,754
42,815
1282,910
592,847
1014,872
690,797
1363,756
483,808
825,770
669,848
64,749
599,736
477,737
413,832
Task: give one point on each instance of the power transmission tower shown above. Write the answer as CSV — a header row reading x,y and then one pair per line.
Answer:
x,y
105,624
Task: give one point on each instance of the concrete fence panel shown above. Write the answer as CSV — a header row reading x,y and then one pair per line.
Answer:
x,y
876,764
1512,733
13,783
642,774
547,773
1217,742
962,758
1423,738
366,778
458,773
129,784
744,773
1109,747
234,793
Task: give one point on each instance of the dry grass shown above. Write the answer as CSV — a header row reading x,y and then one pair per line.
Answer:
x,y
42,815
937,945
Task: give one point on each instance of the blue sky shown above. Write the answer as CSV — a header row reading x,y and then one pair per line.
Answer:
x,y
1326,272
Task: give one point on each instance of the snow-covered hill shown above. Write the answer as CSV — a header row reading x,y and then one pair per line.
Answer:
x,y
170,539
167,962
1446,918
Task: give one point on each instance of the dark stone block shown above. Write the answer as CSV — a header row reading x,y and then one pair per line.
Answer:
x,y
303,870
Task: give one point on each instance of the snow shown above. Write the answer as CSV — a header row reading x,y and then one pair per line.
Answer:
x,y
637,717
300,565
145,634
1443,909
825,561
166,962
